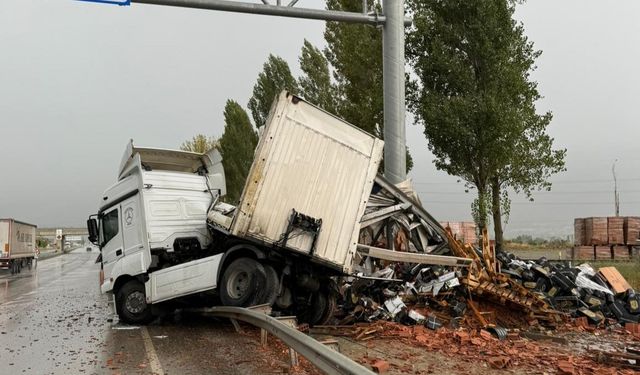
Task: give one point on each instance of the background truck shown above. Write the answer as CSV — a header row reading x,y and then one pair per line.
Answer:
x,y
165,235
17,245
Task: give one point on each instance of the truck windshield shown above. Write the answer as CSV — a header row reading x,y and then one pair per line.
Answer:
x,y
108,227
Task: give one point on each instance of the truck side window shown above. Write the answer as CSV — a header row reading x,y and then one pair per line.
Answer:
x,y
109,226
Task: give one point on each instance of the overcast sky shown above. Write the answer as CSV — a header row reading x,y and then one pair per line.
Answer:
x,y
78,80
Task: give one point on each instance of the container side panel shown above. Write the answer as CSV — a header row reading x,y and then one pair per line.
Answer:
x,y
312,162
23,240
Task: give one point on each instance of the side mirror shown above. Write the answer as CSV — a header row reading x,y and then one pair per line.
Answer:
x,y
92,227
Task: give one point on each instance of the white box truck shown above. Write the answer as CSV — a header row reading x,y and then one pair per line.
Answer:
x,y
164,233
17,245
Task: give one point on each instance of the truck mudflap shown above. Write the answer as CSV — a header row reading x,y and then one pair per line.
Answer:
x,y
183,279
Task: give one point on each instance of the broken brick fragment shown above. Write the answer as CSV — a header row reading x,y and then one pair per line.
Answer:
x,y
380,366
499,362
486,335
462,336
566,368
581,322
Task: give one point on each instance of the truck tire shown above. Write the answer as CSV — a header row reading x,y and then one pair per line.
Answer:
x,y
12,266
131,303
269,292
323,305
241,283
329,310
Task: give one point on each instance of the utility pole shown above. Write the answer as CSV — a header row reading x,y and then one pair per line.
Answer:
x,y
616,196
392,21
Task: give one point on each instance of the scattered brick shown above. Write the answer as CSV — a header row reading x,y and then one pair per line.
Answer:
x,y
380,366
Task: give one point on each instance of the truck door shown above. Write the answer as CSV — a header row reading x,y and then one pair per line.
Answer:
x,y
110,238
132,233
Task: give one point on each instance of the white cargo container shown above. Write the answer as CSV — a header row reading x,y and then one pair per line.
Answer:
x,y
17,244
309,161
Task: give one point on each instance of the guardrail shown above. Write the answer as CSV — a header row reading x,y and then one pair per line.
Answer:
x,y
324,358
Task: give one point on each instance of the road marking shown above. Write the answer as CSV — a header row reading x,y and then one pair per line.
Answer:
x,y
154,362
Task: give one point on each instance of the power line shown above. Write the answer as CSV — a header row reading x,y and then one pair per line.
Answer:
x,y
539,192
538,203
552,182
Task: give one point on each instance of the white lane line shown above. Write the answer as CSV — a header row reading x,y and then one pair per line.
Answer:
x,y
154,362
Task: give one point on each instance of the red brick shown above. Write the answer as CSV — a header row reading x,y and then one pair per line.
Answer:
x,y
380,366
499,362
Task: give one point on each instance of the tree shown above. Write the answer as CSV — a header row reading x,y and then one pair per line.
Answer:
x,y
200,143
535,162
474,97
315,84
237,146
355,53
275,77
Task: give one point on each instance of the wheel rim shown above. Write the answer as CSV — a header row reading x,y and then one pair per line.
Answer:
x,y
135,302
238,284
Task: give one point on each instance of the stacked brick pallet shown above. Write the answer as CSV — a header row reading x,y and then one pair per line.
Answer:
x,y
464,231
605,237
595,231
631,230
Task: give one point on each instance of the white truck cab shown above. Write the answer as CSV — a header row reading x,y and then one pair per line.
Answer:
x,y
155,213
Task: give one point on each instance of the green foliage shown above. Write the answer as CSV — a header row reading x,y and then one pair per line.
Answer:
x,y
315,84
553,242
474,97
42,243
275,77
237,146
355,53
200,143
479,211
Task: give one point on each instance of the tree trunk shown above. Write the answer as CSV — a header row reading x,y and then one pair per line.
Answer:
x,y
497,212
482,212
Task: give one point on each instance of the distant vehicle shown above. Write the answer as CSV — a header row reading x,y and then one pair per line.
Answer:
x,y
88,248
17,245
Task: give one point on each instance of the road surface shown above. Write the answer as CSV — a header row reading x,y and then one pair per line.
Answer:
x,y
53,320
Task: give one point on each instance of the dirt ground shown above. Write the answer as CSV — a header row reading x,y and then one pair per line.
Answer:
x,y
418,350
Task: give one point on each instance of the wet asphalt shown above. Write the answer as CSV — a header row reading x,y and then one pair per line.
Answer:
x,y
54,320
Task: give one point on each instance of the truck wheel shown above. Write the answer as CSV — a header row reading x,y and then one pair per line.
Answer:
x,y
12,266
241,282
30,264
322,307
269,292
131,303
329,310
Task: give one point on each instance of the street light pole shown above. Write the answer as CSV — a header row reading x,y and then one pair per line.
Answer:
x,y
395,155
616,196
